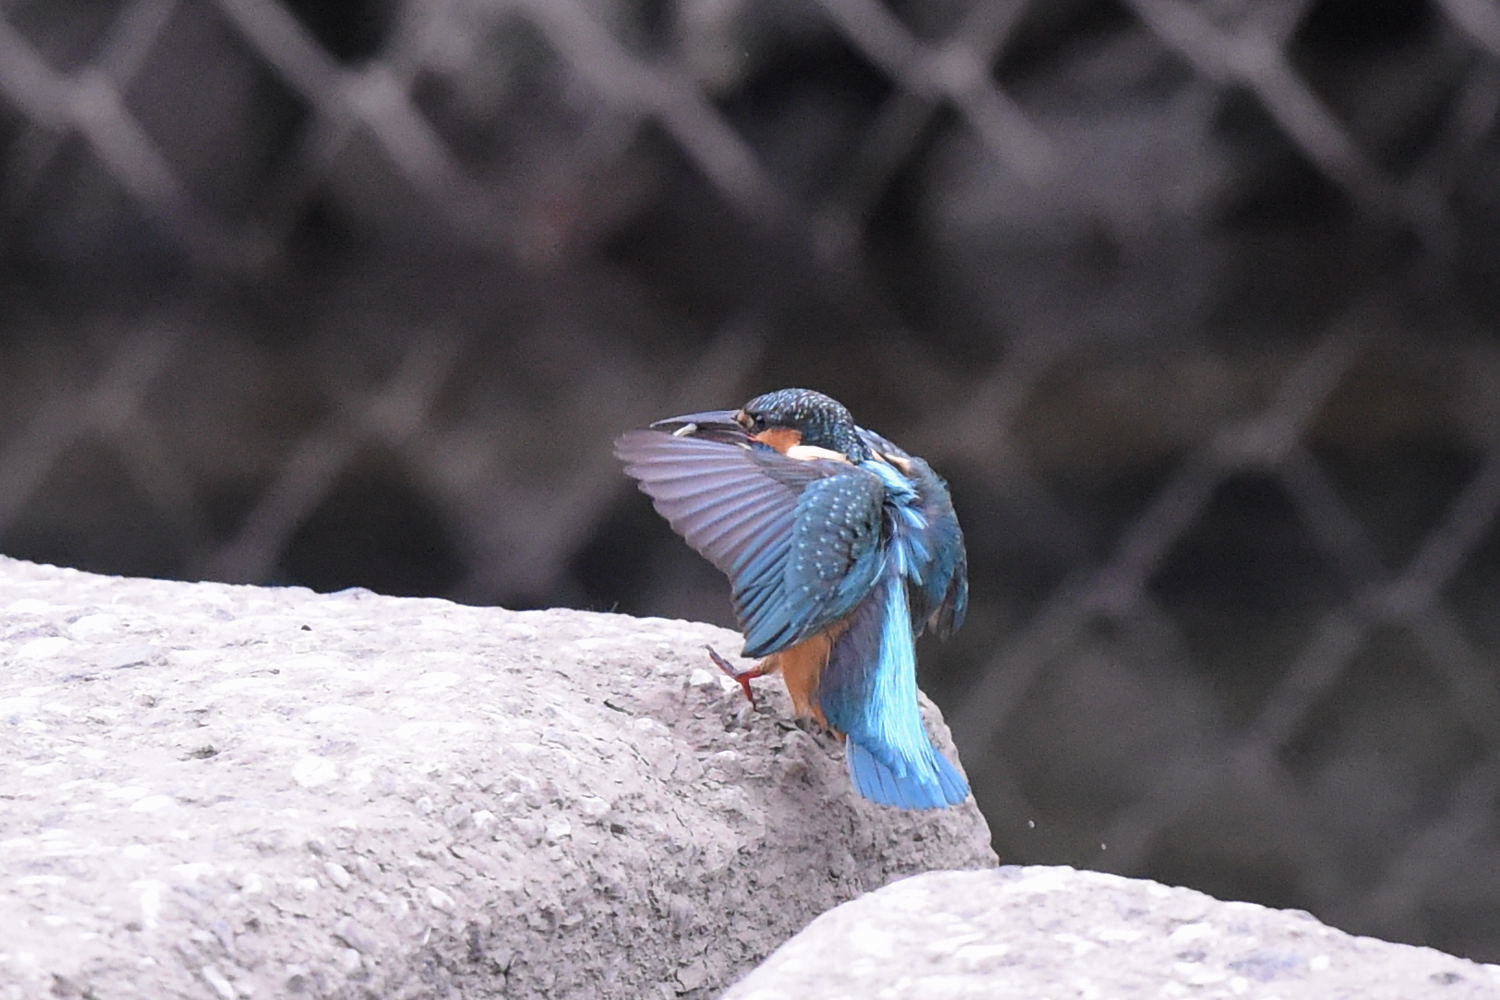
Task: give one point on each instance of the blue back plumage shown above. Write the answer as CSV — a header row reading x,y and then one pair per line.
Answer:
x,y
940,593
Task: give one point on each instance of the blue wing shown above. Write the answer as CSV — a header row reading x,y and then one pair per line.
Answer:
x,y
869,692
941,597
799,540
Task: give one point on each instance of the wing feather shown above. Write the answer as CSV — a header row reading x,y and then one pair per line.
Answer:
x,y
798,539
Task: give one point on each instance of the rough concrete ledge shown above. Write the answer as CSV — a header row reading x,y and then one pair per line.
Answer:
x,y
221,791
1029,933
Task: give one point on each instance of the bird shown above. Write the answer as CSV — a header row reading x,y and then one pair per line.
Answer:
x,y
840,549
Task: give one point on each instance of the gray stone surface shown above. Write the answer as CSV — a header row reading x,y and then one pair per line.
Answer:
x,y
218,791
1039,933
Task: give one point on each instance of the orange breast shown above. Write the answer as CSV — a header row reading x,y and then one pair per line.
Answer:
x,y
802,668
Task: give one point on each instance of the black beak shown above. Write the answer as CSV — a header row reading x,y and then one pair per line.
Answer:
x,y
716,424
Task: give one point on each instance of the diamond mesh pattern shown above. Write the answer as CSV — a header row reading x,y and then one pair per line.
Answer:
x,y
1193,302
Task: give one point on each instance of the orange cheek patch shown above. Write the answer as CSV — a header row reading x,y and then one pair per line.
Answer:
x,y
780,438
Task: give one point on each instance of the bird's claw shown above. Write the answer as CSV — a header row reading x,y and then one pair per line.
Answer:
x,y
742,677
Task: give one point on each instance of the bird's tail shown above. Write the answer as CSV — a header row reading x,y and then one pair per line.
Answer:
x,y
931,784
869,691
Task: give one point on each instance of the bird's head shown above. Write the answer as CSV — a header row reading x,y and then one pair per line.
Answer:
x,y
787,418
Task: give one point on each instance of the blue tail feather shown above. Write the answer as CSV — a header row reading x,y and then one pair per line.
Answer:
x,y
869,692
940,786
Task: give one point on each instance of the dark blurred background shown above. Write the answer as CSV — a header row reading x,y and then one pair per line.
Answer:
x,y
1193,303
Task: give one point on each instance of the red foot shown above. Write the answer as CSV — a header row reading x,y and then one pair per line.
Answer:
x,y
742,676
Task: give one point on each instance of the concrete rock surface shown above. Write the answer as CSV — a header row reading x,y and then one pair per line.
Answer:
x,y
227,791
1036,933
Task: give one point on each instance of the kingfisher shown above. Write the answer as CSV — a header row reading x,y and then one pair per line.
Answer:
x,y
840,549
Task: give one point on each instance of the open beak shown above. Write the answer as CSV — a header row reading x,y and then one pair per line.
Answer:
x,y
717,424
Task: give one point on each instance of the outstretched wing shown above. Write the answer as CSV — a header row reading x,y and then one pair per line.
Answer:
x,y
798,539
942,597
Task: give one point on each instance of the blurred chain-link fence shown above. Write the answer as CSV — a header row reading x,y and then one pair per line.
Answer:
x,y
1192,301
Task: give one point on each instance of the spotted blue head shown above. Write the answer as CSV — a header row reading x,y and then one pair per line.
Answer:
x,y
790,417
